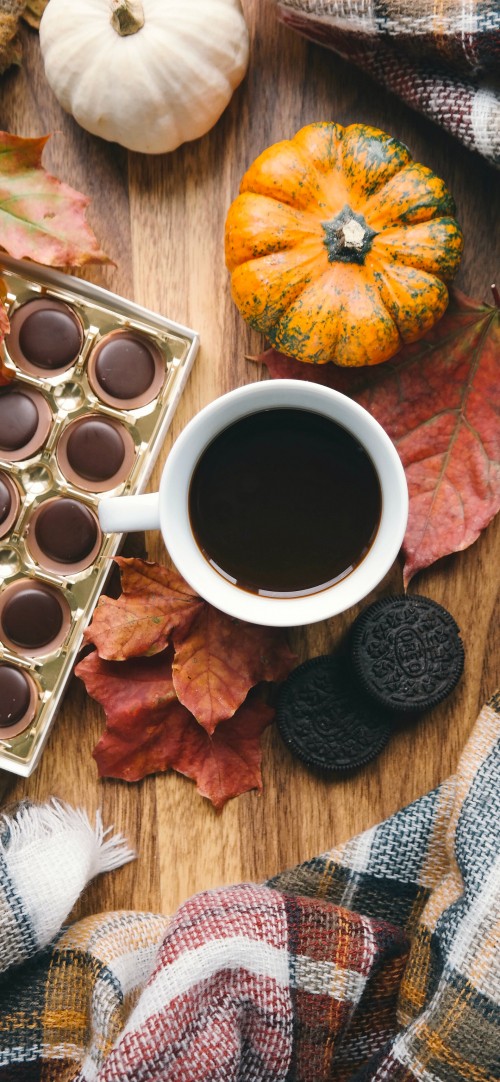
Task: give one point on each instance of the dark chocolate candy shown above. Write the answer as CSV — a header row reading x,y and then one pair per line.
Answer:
x,y
5,501
65,530
125,367
407,652
325,720
32,617
15,695
50,336
95,449
18,420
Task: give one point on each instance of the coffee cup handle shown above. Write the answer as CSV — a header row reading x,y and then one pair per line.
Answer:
x,y
129,514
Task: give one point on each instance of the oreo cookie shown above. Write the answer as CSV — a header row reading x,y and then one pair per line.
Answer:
x,y
407,653
325,720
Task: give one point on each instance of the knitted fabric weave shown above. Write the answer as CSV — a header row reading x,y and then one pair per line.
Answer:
x,y
378,961
440,58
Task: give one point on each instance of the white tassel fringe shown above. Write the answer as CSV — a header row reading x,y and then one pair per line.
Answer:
x,y
32,823
51,852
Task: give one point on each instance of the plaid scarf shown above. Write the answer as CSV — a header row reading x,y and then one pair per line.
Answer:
x,y
378,961
440,58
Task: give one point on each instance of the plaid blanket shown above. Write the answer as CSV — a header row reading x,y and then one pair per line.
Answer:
x,y
440,58
377,961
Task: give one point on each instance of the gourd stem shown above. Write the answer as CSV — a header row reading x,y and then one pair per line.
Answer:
x,y
127,17
496,294
348,237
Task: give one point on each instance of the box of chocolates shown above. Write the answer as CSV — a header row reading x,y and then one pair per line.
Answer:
x,y
95,382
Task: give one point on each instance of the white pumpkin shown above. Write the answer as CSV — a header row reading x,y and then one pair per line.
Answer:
x,y
149,74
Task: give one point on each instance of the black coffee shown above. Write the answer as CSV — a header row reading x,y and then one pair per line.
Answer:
x,y
284,502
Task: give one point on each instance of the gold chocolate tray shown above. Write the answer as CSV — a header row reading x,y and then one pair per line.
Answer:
x,y
33,473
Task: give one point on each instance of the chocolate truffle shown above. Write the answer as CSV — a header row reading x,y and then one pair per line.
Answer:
x,y
407,653
15,695
125,367
25,421
5,500
50,338
44,334
65,530
32,617
95,449
325,720
96,453
18,420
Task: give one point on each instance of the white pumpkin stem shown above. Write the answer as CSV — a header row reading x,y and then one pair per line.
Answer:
x,y
127,17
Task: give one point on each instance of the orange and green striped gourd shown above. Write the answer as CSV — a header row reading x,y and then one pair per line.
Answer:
x,y
339,245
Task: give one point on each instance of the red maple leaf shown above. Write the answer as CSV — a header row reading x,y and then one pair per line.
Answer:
x,y
227,763
439,402
196,718
149,730
217,659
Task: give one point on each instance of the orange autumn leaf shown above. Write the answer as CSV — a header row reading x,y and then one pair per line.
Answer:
x,y
218,659
439,401
148,730
41,218
154,601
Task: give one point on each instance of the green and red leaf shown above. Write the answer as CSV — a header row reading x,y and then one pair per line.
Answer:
x,y
41,218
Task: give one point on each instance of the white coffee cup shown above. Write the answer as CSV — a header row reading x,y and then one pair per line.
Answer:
x,y
168,509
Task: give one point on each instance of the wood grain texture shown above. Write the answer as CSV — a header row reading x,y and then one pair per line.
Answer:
x,y
161,219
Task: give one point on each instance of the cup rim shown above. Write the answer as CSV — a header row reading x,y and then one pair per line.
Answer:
x,y
209,583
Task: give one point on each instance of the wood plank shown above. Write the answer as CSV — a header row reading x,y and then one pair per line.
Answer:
x,y
162,220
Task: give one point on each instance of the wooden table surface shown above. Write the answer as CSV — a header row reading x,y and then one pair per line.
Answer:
x,y
162,221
